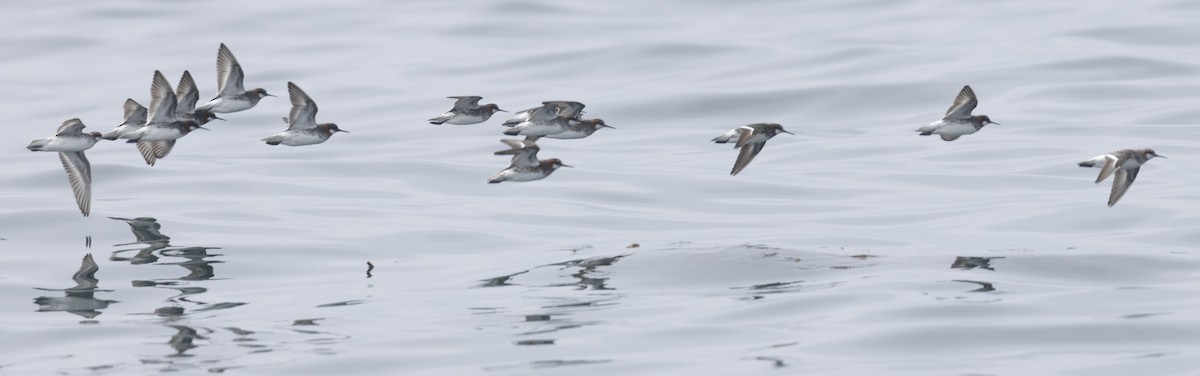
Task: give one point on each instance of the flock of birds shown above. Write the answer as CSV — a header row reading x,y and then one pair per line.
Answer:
x,y
553,119
174,114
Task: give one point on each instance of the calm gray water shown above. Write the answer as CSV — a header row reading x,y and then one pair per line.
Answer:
x,y
855,247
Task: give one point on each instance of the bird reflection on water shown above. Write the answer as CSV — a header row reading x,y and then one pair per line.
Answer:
x,y
79,300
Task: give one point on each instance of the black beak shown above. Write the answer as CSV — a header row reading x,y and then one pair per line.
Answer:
x,y
563,165
217,118
339,130
787,132
607,126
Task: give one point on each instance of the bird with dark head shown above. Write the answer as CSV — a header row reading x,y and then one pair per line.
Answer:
x,y
524,165
751,139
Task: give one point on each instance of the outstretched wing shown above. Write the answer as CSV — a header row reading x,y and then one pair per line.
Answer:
x,y
79,174
466,103
152,151
162,101
745,156
1121,182
524,152
304,110
747,132
187,94
70,127
963,104
229,73
1110,165
134,111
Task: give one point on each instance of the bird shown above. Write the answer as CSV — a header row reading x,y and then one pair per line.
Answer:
x,y
751,139
302,122
156,139
1124,164
525,166
958,120
466,111
135,117
70,142
231,95
188,95
80,299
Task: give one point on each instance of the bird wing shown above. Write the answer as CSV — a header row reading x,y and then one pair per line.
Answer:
x,y
1121,182
544,113
229,73
162,101
746,132
70,127
304,110
79,174
1110,165
186,93
134,111
524,152
745,156
963,104
153,150
519,117
466,103
567,108
950,137
85,278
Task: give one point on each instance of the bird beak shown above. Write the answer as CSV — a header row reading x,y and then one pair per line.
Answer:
x,y
217,118
567,166
501,110
787,132
269,95
1160,156
339,130
607,126
992,122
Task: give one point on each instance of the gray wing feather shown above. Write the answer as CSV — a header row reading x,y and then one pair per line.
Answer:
x,y
79,174
524,152
187,93
304,110
162,101
964,103
229,73
70,127
1121,182
152,151
746,132
1110,165
746,155
134,111
466,102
